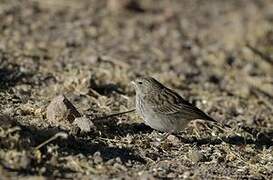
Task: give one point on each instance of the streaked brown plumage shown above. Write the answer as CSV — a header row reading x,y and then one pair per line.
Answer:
x,y
162,108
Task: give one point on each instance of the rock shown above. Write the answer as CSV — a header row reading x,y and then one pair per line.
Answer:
x,y
61,109
84,124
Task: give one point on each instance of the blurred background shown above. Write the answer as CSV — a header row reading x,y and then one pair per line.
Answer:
x,y
217,54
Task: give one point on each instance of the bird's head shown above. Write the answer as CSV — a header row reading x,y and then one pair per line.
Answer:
x,y
146,85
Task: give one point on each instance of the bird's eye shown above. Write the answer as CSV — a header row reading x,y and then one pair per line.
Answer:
x,y
139,82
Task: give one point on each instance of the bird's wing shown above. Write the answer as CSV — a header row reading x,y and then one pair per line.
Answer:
x,y
169,102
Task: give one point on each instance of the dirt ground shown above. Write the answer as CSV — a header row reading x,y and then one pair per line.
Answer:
x,y
216,54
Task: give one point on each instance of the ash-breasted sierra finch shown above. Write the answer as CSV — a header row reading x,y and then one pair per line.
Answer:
x,y
162,108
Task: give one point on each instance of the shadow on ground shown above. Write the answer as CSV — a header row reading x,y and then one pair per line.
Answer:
x,y
10,76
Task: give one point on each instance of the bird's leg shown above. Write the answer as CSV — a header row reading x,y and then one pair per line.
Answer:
x,y
166,135
196,129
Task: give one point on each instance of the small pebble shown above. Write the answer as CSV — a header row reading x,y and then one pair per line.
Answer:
x,y
85,124
97,157
173,139
195,156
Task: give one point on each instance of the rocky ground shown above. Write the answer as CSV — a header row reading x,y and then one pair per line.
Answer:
x,y
216,54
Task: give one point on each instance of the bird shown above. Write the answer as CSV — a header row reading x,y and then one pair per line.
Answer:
x,y
162,108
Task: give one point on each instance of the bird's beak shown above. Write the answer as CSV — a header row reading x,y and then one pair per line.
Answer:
x,y
133,83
